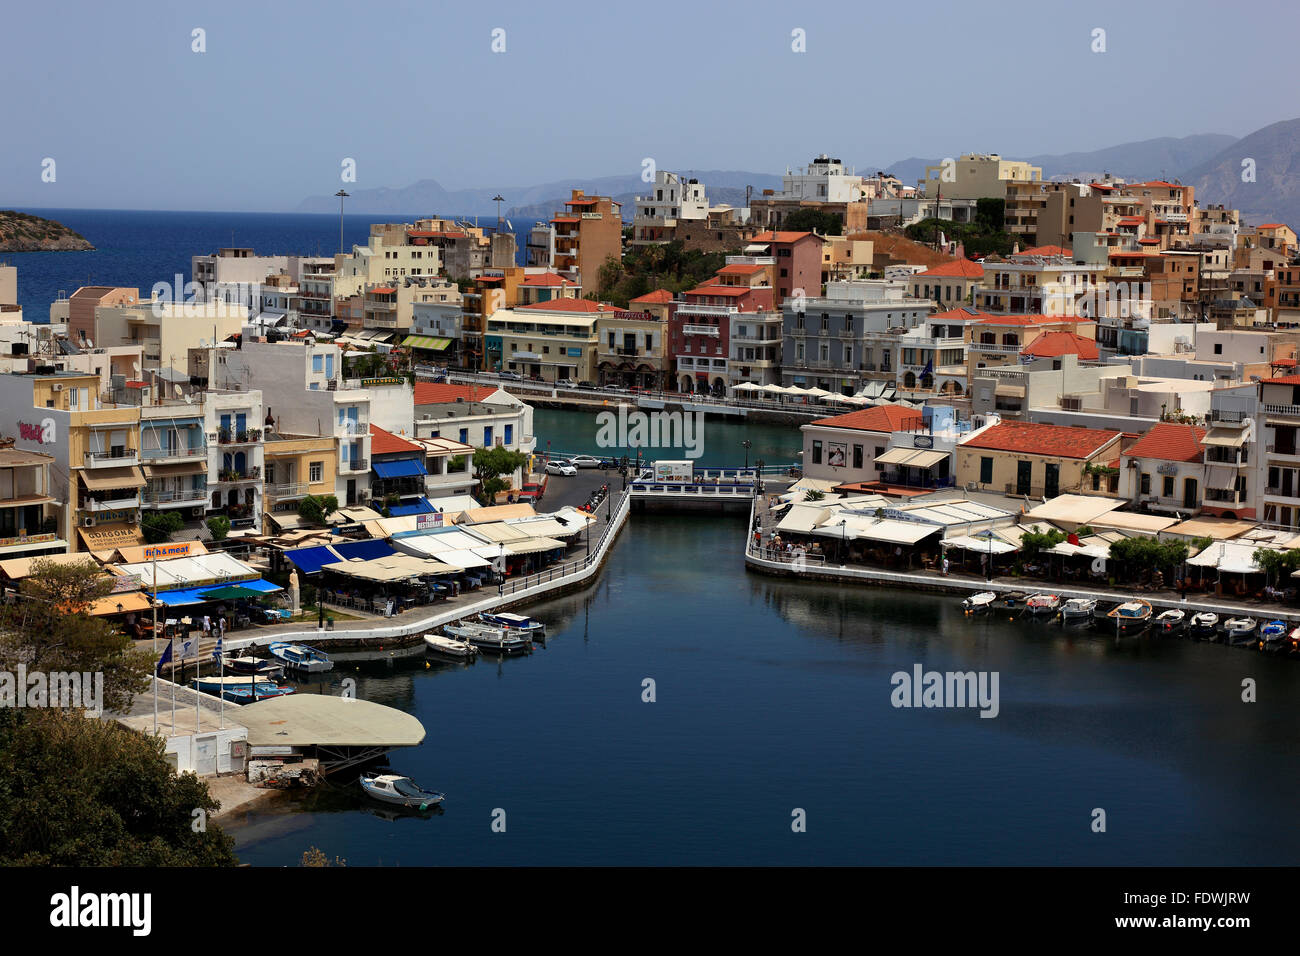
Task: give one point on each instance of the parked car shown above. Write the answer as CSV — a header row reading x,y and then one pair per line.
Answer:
x,y
565,383
584,461
527,498
560,466
512,376
587,386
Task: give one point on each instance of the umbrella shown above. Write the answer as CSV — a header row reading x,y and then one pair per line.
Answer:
x,y
230,593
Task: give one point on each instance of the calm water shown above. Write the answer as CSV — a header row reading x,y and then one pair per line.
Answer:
x,y
773,695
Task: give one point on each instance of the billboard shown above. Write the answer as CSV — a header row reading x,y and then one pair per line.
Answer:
x,y
679,471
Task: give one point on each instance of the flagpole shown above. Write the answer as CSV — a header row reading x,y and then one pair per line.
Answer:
x,y
221,689
198,664
156,677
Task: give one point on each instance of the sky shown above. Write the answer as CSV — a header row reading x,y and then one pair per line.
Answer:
x,y
284,92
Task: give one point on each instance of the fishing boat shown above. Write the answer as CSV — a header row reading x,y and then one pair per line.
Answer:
x,y
979,603
1131,617
400,791
1078,610
300,659
240,690
252,665
449,646
1239,630
1171,622
515,622
1273,636
490,638
1205,624
1042,604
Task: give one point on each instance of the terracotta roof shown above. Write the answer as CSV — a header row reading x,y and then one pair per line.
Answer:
x,y
1030,319
386,443
739,269
880,418
1169,442
1054,344
723,290
962,313
1282,380
958,268
563,305
1046,251
659,296
780,236
436,393
384,289
546,279
1059,441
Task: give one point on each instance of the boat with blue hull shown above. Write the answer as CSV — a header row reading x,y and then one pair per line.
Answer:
x,y
300,659
240,690
514,622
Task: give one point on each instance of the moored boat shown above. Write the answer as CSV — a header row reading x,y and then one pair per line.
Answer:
x,y
449,646
1171,622
1273,636
514,622
979,603
1131,617
1205,625
299,658
1078,610
400,791
1293,641
240,690
490,638
1042,604
252,665
1239,630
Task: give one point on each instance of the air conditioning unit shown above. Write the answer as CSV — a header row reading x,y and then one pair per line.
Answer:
x,y
87,522
57,387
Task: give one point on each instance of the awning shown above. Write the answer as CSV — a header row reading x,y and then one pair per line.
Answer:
x,y
177,470
108,479
310,560
462,559
533,546
426,342
419,507
367,550
110,537
895,456
15,569
185,596
403,468
1228,437
1221,477
119,604
982,545
1009,391
912,457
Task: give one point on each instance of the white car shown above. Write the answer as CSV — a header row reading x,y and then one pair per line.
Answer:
x,y
584,461
560,467
565,383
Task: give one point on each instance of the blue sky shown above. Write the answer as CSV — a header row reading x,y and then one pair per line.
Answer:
x,y
285,91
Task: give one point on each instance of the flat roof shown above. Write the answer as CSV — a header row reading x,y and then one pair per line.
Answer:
x,y
1075,509
307,720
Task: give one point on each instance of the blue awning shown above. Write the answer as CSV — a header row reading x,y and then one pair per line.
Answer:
x,y
186,596
403,468
420,506
310,560
366,550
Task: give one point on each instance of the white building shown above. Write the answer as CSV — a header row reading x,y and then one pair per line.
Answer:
x,y
232,421
822,180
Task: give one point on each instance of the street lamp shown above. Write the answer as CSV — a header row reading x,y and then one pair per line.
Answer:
x,y
342,195
498,199
746,445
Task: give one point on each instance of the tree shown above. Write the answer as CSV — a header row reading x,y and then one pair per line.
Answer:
x,y
1141,553
78,791
159,526
1032,543
490,464
49,629
315,856
814,220
316,508
1277,565
218,527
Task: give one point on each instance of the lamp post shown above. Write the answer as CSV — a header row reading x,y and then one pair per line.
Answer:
x,y
746,445
498,199
342,195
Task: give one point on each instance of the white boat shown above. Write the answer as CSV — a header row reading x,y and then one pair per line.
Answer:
x,y
1131,616
1205,624
1171,621
490,638
1078,609
1273,636
1239,630
449,646
402,791
300,658
1043,603
514,622
979,603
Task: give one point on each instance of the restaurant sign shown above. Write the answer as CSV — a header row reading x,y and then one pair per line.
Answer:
x,y
593,215
27,539
427,521
922,441
633,316
372,382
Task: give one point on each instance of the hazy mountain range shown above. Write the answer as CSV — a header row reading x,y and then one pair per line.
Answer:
x,y
1210,161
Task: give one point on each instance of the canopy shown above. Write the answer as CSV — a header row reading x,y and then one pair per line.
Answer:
x,y
231,592
533,546
187,596
982,545
179,469
746,387
310,560
119,604
911,457
882,529
112,479
366,550
1231,556
462,559
426,342
1227,437
420,506
402,468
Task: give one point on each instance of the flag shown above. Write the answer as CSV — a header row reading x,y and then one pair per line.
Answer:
x,y
166,656
1072,539
929,368
216,651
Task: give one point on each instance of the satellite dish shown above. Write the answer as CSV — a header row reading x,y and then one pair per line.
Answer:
x,y
176,390
136,366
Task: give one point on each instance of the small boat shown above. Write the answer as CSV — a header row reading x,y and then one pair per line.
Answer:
x,y
1042,604
1205,624
240,690
490,638
1101,613
300,658
1078,610
449,646
1013,598
1239,630
1131,616
400,791
1170,622
1293,640
979,603
1273,636
514,622
252,665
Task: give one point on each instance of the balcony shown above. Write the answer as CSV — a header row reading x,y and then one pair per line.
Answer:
x,y
110,504
113,458
165,454
230,436
231,476
355,465
1282,411
1221,416
1289,451
690,308
1005,349
710,330
1282,491
188,496
290,489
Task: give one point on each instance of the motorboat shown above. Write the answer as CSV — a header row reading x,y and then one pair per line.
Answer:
x,y
1171,622
1273,636
1240,630
515,622
252,665
1131,617
400,791
1042,604
299,658
449,646
1078,610
487,638
239,689
1205,624
979,603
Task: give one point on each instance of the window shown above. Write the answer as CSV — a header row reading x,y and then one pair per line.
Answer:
x,y
317,363
509,437
817,453
1145,485
986,471
1167,491
857,456
487,436
316,472
1218,348
464,436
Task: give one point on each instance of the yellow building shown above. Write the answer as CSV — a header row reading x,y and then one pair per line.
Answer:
x,y
295,466
977,176
548,340
1038,461
167,331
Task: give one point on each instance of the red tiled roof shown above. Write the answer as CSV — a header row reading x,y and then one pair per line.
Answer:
x,y
1058,441
880,418
565,219
1169,442
1055,344
1030,319
1149,241
436,393
723,290
964,313
563,305
739,269
384,290
386,443
1282,380
1046,251
958,268
546,279
657,297
780,236
134,384
1271,225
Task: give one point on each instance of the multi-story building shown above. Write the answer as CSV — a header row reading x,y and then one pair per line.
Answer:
x,y
471,416
30,519
1232,460
174,455
949,285
671,200
824,185
1049,213
1027,459
233,275
166,331
701,327
1165,469
295,466
1040,280
1277,426
796,263
549,340
233,423
977,176
633,349
83,304
587,232
844,448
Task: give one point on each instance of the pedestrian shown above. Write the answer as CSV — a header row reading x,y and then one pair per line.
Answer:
x,y
207,625
945,564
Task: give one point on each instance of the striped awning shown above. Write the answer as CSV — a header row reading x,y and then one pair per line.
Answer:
x,y
425,342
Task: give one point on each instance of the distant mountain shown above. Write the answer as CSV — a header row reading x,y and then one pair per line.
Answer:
x,y
1148,159
1274,196
22,232
428,197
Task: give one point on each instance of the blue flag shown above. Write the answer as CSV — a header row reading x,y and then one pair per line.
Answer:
x,y
216,652
166,656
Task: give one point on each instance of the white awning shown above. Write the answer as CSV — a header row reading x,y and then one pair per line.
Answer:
x,y
1228,556
982,545
884,529
1221,477
1228,437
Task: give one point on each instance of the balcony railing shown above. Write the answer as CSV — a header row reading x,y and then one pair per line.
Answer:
x,y
230,436
110,504
710,330
155,454
1283,450
1286,411
289,489
113,458
229,476
187,496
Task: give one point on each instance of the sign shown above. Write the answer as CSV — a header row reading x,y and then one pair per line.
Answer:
x,y
633,316
372,382
109,537
922,441
27,539
681,471
426,522
1167,468
149,552
836,454
126,582
593,215
42,434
